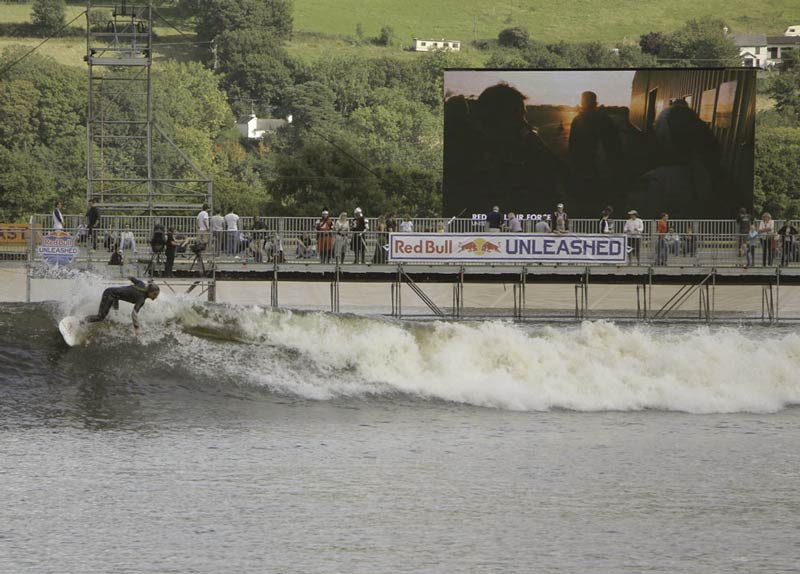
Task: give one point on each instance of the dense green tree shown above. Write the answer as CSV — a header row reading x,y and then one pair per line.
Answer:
x,y
785,91
26,185
19,100
702,42
48,16
273,17
412,191
253,67
777,171
393,129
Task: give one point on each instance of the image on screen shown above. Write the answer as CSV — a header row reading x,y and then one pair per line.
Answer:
x,y
679,141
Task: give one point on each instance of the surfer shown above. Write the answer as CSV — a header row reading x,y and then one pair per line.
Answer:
x,y
138,294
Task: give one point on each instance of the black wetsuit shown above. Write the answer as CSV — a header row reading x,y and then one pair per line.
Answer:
x,y
136,294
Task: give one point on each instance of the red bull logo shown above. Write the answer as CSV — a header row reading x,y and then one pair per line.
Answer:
x,y
479,247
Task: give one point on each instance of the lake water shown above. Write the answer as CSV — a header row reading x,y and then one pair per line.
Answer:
x,y
240,439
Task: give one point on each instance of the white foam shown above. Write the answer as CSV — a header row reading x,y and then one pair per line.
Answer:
x,y
590,367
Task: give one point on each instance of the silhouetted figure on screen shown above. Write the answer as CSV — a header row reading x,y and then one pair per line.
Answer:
x,y
504,161
687,176
595,154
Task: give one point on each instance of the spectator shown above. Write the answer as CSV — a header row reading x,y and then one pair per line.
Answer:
x,y
752,242
689,243
661,243
359,228
305,247
633,229
494,220
127,240
542,226
58,218
217,225
232,226
93,220
382,242
83,232
202,224
406,225
275,249
743,222
788,242
324,237
673,241
341,237
514,223
560,220
766,232
606,225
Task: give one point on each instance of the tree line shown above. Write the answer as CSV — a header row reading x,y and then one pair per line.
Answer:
x,y
365,131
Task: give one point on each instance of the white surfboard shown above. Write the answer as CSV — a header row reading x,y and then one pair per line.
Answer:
x,y
73,329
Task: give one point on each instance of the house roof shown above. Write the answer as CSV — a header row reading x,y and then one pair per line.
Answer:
x,y
783,40
745,40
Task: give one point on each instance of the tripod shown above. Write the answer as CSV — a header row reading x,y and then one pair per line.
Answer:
x,y
156,260
198,258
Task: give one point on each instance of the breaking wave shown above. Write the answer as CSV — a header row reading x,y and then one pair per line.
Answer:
x,y
593,366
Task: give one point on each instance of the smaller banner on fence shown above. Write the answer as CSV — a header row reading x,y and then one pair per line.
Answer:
x,y
507,248
58,248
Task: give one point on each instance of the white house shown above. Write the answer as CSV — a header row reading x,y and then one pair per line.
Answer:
x,y
254,128
752,49
762,51
428,45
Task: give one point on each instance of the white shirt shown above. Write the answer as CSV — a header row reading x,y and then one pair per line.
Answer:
x,y
542,226
58,219
217,222
633,226
514,225
407,226
202,221
232,221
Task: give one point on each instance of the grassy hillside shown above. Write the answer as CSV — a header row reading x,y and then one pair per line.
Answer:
x,y
569,20
329,26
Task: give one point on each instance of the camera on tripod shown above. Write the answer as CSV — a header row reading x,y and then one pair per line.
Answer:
x,y
197,247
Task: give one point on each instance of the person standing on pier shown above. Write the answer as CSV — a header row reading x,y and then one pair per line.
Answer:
x,y
661,241
766,232
92,221
360,228
560,220
494,220
633,229
341,236
324,237
202,224
58,218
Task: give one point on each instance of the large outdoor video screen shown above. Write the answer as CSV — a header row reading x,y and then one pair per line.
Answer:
x,y
658,140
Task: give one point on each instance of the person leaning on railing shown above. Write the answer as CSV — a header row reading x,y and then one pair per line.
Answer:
x,y
633,228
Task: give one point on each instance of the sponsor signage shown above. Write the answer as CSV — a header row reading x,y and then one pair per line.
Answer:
x,y
58,248
13,233
508,247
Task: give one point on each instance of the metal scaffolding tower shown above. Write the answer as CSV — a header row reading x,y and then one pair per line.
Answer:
x,y
132,164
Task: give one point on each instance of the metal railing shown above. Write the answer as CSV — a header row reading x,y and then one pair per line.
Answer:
x,y
295,240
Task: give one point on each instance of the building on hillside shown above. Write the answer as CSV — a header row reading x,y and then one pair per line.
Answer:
x,y
752,50
430,45
254,128
762,51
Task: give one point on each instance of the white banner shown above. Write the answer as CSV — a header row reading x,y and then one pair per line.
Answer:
x,y
508,247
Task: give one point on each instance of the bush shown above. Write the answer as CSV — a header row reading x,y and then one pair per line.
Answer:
x,y
516,37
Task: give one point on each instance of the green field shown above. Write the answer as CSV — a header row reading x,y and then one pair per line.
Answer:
x,y
328,27
570,20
